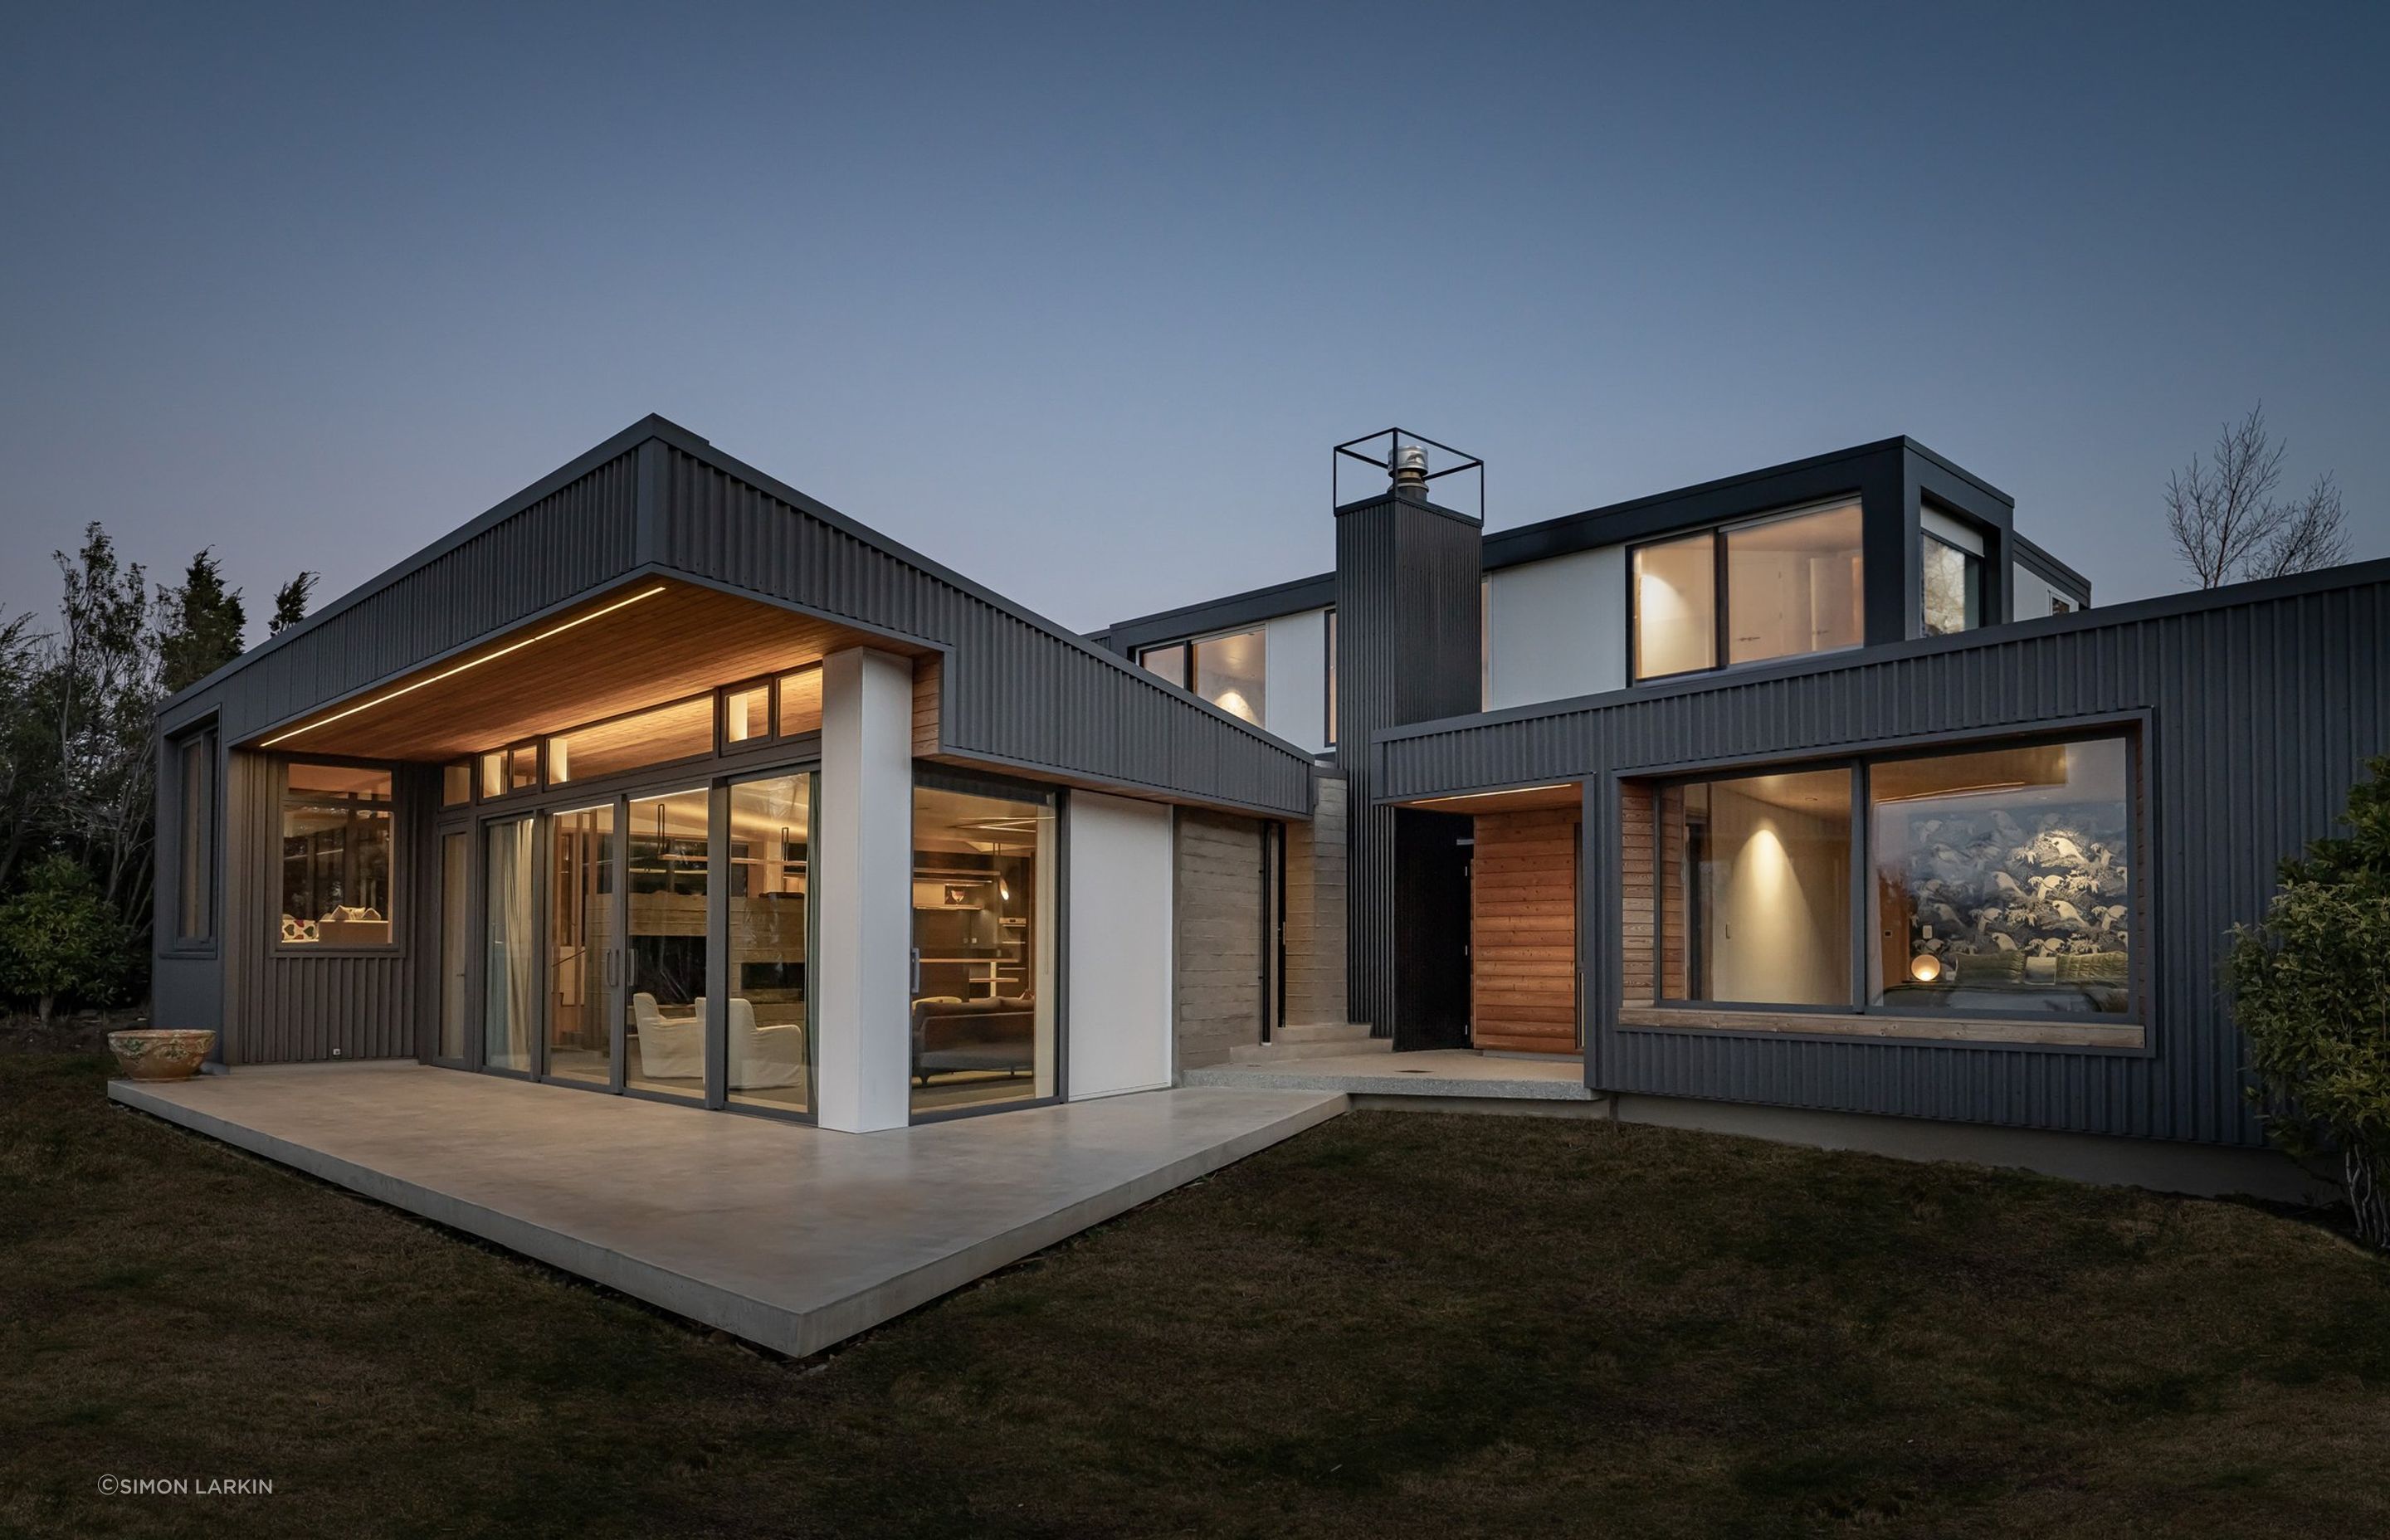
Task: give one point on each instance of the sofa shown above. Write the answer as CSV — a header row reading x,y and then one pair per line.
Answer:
x,y
672,1047
952,1036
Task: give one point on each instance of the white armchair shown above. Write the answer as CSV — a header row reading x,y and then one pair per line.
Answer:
x,y
670,1048
763,1057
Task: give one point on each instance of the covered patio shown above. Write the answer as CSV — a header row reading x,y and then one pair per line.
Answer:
x,y
783,1235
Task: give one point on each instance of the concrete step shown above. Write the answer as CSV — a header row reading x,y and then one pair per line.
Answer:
x,y
1322,1032
1279,1053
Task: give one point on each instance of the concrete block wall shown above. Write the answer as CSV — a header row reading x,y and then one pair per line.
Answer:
x,y
1219,958
1316,863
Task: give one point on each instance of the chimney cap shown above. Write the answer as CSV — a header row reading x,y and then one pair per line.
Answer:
x,y
1409,463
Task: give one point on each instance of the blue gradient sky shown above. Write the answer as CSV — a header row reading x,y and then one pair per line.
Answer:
x,y
1077,300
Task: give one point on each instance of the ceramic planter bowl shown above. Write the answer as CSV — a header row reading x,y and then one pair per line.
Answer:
x,y
150,1053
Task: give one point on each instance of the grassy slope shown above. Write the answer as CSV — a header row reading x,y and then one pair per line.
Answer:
x,y
1395,1324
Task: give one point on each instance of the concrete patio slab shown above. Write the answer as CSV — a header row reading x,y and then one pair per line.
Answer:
x,y
776,1232
1448,1074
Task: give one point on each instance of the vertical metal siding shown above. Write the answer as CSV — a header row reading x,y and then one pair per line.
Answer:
x,y
1407,650
2263,705
1015,691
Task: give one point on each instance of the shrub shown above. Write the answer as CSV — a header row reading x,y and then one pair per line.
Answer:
x,y
59,937
2311,992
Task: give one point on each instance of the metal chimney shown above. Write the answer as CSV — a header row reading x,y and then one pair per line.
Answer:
x,y
1409,471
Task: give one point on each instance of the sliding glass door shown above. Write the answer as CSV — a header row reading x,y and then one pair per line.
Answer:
x,y
983,887
583,960
510,970
664,1014
769,945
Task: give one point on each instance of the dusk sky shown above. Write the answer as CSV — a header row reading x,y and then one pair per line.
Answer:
x,y
1077,300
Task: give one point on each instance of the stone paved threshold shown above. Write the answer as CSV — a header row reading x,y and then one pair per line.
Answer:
x,y
1450,1074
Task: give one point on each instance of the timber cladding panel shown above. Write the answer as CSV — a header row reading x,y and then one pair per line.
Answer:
x,y
1522,931
1639,882
1217,953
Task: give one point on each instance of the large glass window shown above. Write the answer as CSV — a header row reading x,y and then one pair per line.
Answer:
x,y
1168,661
1992,883
983,1016
195,917
1228,670
336,847
1675,606
1953,584
770,1054
581,943
1792,586
510,974
664,1046
1759,896
2002,880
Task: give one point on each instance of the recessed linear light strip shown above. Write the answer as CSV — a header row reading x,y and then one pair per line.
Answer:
x,y
477,663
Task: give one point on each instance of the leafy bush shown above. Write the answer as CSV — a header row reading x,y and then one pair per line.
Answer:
x,y
2311,992
59,937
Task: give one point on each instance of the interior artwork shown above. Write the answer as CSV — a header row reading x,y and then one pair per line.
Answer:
x,y
336,844
983,948
2003,879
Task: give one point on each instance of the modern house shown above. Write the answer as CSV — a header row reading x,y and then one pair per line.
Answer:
x,y
1814,801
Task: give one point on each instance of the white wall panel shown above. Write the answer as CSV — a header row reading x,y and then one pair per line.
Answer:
x,y
1296,684
1119,961
1557,629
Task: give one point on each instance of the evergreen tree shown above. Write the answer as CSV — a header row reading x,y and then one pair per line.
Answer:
x,y
199,625
290,603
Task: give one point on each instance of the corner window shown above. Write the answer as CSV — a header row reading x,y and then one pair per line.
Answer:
x,y
1991,887
1951,573
1773,587
336,856
195,919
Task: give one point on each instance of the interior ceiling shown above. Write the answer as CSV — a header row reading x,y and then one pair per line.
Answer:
x,y
1525,799
641,644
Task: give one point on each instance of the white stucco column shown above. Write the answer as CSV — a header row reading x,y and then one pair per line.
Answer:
x,y
862,884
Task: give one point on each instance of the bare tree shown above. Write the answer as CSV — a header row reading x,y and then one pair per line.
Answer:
x,y
2229,527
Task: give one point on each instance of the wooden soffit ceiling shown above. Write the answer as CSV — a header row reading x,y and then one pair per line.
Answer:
x,y
640,645
1521,799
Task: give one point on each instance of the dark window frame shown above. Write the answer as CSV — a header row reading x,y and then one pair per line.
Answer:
x,y
400,863
202,738
1977,567
2132,730
1721,628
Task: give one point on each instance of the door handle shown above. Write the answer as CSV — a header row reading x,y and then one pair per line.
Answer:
x,y
917,970
614,967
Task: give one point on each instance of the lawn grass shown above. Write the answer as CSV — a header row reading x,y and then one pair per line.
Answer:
x,y
1395,1324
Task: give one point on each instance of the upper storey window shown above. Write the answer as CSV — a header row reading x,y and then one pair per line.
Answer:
x,y
1230,670
1773,588
1950,575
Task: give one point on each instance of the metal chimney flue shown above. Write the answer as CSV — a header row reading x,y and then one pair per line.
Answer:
x,y
1409,471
